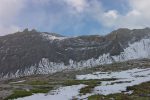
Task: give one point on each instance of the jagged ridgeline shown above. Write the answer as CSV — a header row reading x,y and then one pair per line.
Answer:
x,y
31,52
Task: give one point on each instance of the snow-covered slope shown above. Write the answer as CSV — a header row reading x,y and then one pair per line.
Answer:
x,y
52,36
140,49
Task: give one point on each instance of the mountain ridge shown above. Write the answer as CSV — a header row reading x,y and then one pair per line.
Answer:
x,y
31,52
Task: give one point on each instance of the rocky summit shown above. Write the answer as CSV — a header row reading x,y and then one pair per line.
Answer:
x,y
32,52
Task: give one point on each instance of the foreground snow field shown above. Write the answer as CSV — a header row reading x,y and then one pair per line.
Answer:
x,y
124,78
63,93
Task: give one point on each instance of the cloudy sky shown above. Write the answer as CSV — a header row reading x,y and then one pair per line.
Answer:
x,y
73,17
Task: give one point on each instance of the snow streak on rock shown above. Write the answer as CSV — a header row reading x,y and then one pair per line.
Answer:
x,y
52,37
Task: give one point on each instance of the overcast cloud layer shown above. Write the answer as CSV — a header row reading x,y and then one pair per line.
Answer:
x,y
73,17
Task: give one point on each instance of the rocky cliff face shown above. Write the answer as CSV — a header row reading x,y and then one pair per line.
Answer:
x,y
31,52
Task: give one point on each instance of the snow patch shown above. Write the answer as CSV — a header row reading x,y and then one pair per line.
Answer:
x,y
18,82
52,37
124,79
63,93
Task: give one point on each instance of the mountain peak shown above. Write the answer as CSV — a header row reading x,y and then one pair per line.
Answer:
x,y
26,30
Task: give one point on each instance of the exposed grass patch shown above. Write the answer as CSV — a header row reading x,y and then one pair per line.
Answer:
x,y
91,84
108,79
120,82
37,82
23,93
95,97
41,89
141,90
117,97
87,89
110,97
18,94
77,82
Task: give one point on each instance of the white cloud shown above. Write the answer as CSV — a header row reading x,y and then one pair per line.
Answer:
x,y
9,8
73,12
9,29
109,18
8,11
111,14
140,5
77,5
133,13
40,1
138,16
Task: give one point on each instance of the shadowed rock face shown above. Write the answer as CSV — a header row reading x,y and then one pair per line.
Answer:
x,y
22,50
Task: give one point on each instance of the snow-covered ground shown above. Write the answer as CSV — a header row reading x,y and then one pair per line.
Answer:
x,y
63,93
124,78
18,82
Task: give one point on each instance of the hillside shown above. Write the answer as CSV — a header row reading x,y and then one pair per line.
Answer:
x,y
31,52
